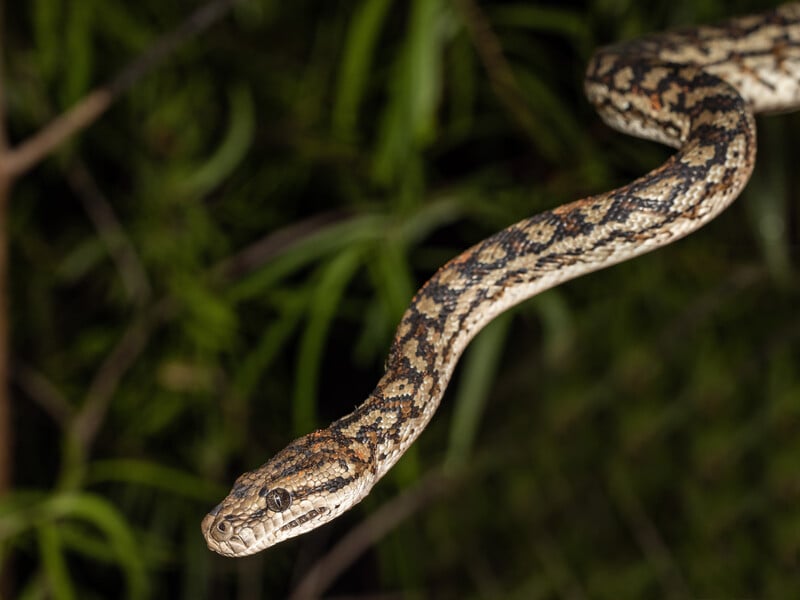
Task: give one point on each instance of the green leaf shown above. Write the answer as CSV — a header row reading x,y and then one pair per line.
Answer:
x,y
409,122
274,339
59,583
392,276
78,49
231,151
481,362
325,301
356,65
18,515
141,472
543,19
47,26
324,242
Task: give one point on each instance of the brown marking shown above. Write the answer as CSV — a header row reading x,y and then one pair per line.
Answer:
x,y
655,102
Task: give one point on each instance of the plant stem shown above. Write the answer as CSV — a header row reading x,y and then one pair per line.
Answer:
x,y
6,435
6,181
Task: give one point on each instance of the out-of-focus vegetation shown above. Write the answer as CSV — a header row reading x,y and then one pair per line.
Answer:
x,y
219,262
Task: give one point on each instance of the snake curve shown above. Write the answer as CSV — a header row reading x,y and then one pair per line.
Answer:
x,y
696,90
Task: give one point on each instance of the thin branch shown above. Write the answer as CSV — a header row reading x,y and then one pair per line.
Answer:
x,y
6,436
106,381
647,535
3,131
562,578
162,48
494,61
44,393
368,532
707,304
29,153
261,251
119,246
6,431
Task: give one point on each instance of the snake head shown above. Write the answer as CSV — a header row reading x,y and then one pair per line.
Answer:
x,y
310,482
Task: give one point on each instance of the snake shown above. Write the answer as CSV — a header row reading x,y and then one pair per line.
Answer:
x,y
696,90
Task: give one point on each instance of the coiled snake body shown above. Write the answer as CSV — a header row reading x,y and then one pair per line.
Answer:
x,y
696,90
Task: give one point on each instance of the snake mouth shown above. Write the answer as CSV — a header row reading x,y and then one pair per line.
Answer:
x,y
303,519
225,539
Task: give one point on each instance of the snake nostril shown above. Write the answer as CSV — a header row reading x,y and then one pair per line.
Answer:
x,y
222,530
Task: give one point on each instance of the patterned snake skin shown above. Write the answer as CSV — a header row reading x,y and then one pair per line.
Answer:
x,y
696,90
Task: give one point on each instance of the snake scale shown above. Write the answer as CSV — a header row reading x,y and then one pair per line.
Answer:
x,y
695,90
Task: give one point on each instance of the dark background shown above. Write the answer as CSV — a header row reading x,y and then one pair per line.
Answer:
x,y
218,264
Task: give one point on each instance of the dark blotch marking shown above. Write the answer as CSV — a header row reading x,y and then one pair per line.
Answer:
x,y
240,490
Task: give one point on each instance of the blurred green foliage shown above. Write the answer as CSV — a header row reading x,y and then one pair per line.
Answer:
x,y
218,265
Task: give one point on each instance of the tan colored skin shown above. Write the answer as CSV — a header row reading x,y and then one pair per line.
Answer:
x,y
695,90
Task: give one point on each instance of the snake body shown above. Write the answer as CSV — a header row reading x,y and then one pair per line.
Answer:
x,y
696,90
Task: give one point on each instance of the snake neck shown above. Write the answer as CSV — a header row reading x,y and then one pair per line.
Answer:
x,y
404,399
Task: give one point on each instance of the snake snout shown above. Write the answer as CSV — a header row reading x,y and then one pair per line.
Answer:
x,y
215,527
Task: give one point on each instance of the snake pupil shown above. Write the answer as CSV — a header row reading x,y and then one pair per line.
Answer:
x,y
278,500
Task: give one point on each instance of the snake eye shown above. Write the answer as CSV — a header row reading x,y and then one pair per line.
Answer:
x,y
278,500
